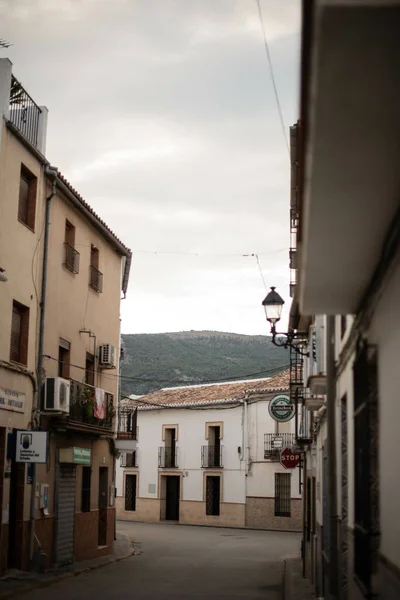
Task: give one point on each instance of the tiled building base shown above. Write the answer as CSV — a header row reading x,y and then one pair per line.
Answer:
x,y
260,515
147,509
194,513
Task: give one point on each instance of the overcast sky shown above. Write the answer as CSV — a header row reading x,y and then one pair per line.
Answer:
x,y
162,114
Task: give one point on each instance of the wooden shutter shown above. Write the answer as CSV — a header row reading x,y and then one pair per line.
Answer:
x,y
23,199
16,333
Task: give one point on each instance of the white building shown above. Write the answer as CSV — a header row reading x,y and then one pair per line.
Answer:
x,y
210,455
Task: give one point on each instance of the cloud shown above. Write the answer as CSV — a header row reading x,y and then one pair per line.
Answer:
x,y
162,114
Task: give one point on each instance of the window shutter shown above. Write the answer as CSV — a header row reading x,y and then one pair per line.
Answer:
x,y
23,199
16,331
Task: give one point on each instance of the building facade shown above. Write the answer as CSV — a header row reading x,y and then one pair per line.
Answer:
x,y
60,323
347,290
209,455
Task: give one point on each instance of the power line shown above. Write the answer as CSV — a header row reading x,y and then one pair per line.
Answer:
x,y
272,75
174,381
261,273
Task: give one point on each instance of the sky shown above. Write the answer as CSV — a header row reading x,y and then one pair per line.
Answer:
x,y
162,115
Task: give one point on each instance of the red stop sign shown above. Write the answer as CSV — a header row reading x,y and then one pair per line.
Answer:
x,y
290,459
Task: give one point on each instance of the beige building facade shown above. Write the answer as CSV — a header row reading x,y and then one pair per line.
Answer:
x,y
59,350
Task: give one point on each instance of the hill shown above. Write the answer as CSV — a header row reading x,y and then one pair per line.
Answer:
x,y
190,357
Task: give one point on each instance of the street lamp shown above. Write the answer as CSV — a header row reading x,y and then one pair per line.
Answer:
x,y
3,276
273,304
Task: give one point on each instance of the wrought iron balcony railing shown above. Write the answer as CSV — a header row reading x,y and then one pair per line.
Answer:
x,y
96,279
24,112
127,424
71,258
128,459
167,457
211,456
83,409
303,418
274,443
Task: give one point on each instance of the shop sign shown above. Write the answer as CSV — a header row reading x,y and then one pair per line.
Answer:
x,y
31,447
281,409
12,400
76,456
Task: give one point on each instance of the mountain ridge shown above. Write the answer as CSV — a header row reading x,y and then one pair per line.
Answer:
x,y
153,361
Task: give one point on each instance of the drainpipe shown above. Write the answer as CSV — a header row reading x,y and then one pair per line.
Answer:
x,y
332,462
36,409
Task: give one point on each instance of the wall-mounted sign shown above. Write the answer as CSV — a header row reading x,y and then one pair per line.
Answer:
x,y
76,456
31,447
281,409
12,400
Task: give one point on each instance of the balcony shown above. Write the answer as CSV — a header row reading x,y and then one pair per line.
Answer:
x,y
96,279
303,418
274,443
24,112
82,412
167,457
71,258
128,459
127,429
211,457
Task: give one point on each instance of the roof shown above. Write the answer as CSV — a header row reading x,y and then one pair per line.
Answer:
x,y
218,393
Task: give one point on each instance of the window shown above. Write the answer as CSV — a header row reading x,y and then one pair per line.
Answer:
x,y
282,494
128,459
71,258
366,468
86,480
213,494
130,492
19,333
64,348
89,369
212,454
27,198
96,277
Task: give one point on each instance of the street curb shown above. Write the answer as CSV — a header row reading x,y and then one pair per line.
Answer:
x,y
43,584
177,523
286,581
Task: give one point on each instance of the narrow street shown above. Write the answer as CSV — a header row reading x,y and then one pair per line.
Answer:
x,y
187,562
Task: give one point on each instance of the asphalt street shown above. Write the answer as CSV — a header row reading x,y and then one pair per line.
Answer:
x,y
179,562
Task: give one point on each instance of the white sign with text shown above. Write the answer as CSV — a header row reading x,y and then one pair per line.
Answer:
x,y
31,446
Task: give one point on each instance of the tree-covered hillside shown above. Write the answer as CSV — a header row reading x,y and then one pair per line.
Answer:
x,y
191,357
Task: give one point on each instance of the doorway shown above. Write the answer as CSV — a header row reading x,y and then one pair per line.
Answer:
x,y
170,494
66,481
103,488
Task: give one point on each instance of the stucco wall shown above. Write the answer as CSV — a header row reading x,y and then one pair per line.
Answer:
x,y
385,332
72,305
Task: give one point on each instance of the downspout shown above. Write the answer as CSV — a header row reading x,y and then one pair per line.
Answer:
x,y
332,462
36,409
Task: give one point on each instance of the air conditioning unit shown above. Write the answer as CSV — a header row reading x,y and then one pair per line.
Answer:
x,y
108,356
56,395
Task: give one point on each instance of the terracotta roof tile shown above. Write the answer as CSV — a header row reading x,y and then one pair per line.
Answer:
x,y
220,393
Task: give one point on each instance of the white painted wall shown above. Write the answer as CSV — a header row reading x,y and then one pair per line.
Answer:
x,y
385,332
260,481
261,476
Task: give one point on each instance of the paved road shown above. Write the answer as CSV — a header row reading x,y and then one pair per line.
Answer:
x,y
183,563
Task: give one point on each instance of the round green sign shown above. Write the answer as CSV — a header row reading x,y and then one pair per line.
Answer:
x,y
281,408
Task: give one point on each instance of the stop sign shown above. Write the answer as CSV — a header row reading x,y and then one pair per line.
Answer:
x,y
290,459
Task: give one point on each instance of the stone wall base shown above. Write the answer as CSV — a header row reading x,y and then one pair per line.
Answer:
x,y
260,515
